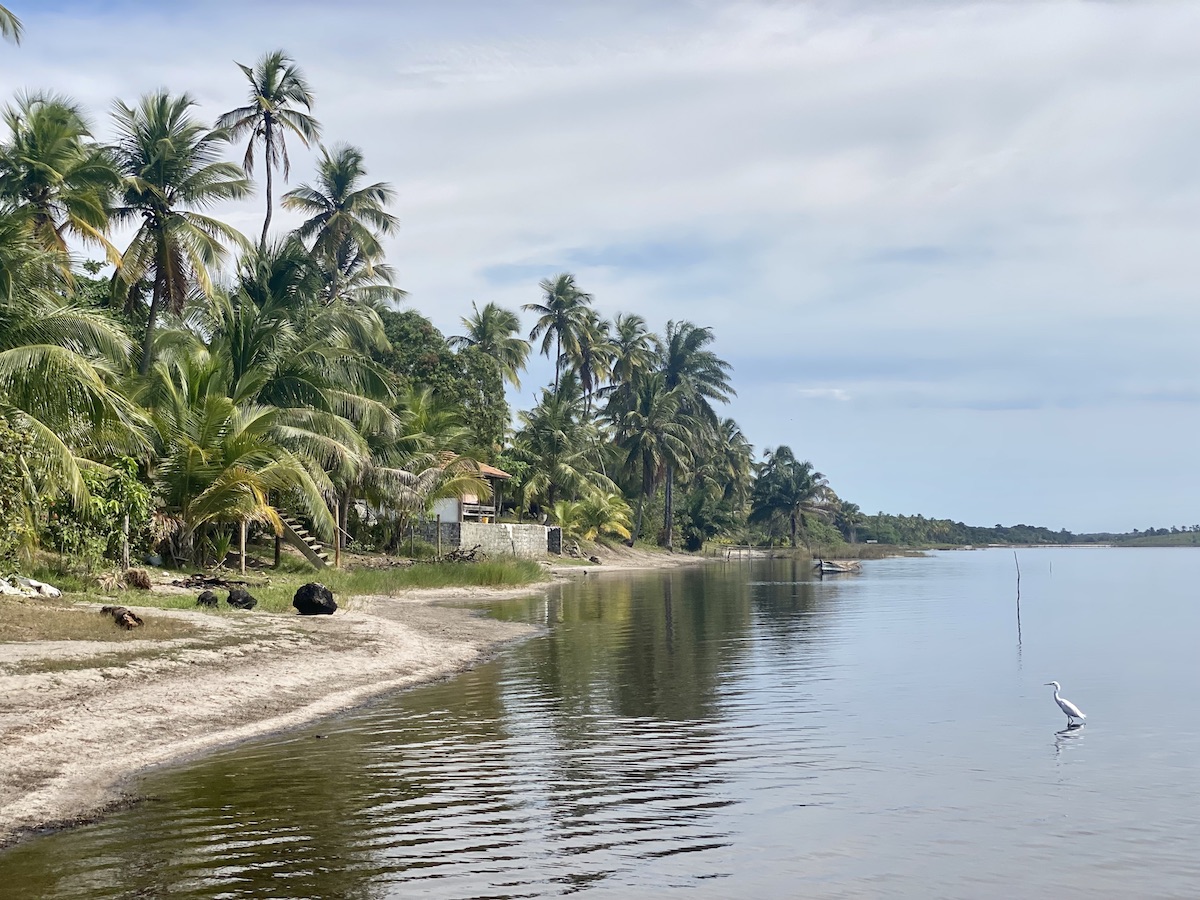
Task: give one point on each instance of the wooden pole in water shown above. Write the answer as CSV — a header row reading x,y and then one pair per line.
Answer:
x,y
1018,564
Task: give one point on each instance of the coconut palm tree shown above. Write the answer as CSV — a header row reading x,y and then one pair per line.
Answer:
x,y
598,514
59,368
558,446
346,217
561,316
53,172
702,378
591,354
493,330
849,518
280,102
654,434
171,168
216,460
10,26
633,348
789,489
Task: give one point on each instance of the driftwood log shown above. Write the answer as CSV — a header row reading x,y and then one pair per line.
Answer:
x,y
126,618
460,555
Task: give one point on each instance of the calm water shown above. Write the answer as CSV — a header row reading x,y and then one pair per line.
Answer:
x,y
728,732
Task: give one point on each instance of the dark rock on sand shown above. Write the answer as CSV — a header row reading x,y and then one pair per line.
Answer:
x,y
240,598
314,599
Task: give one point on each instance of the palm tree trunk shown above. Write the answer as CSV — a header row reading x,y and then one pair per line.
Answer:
x,y
637,525
151,317
557,357
267,139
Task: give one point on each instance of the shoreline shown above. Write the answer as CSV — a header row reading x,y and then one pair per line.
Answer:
x,y
81,720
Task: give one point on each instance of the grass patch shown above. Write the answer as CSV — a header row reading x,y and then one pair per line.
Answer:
x,y
274,589
37,619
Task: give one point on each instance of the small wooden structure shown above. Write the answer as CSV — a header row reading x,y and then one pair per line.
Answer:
x,y
469,507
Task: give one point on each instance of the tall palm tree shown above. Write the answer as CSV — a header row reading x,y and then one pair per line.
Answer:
x,y
10,26
633,348
561,315
790,489
654,434
346,217
591,354
53,172
702,378
171,167
280,102
493,330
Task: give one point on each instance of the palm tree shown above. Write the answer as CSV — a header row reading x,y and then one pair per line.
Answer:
x,y
849,518
53,172
561,316
600,513
59,368
727,467
346,218
493,330
280,101
633,348
171,167
702,378
591,354
558,446
790,489
217,460
655,435
10,26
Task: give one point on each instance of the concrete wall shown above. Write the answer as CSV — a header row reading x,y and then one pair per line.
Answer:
x,y
525,541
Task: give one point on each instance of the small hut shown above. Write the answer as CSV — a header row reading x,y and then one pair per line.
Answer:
x,y
469,507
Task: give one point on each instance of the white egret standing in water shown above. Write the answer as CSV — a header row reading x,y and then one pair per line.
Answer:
x,y
1065,705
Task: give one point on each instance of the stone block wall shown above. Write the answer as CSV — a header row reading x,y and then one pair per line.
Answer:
x,y
428,532
524,541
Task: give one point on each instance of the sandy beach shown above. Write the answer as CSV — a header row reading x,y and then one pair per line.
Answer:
x,y
80,718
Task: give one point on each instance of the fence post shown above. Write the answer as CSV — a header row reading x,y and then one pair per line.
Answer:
x,y
439,535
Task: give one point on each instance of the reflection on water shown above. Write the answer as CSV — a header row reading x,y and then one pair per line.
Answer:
x,y
737,731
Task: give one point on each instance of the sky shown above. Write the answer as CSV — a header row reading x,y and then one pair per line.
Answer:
x,y
949,248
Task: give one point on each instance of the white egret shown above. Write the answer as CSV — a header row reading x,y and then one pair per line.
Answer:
x,y
1072,711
